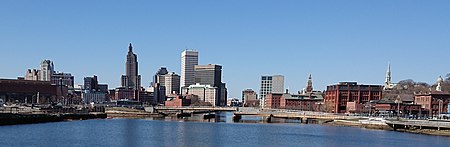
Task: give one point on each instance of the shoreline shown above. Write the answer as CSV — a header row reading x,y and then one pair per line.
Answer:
x,y
345,123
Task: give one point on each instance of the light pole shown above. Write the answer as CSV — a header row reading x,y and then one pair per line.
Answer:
x,y
440,109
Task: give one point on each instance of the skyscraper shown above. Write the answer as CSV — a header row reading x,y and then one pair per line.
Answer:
x,y
46,71
270,84
170,81
211,74
189,58
131,79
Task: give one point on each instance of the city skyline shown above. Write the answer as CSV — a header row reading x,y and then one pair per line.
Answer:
x,y
284,40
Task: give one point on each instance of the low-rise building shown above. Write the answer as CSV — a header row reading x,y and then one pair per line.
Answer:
x,y
434,102
337,96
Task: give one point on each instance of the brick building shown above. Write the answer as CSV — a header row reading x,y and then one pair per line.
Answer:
x,y
306,102
12,90
432,102
337,96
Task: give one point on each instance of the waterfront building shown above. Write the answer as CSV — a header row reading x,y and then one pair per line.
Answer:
x,y
131,79
312,101
338,95
26,91
270,84
189,58
250,98
177,101
435,102
205,93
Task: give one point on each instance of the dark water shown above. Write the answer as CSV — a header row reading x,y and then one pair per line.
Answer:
x,y
140,132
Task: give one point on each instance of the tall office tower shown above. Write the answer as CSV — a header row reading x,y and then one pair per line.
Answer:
x,y
131,79
210,74
46,71
270,84
189,58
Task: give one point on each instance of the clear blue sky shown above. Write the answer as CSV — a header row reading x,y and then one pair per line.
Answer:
x,y
350,40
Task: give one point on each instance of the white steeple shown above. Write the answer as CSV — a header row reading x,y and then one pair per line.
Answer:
x,y
439,83
388,83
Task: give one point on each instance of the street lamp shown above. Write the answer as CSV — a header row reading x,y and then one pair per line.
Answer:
x,y
398,101
440,109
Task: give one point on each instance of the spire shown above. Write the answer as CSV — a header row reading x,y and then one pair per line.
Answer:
x,y
130,48
309,87
388,83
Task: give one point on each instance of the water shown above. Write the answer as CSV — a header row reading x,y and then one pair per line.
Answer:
x,y
141,132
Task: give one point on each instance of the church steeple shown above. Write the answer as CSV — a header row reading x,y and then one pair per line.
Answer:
x,y
130,48
388,85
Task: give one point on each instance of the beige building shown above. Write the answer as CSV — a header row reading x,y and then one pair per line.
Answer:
x,y
205,93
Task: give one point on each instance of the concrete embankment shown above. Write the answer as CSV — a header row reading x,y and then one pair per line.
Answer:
x,y
356,123
14,118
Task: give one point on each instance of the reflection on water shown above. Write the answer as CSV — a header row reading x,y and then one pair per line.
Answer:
x,y
172,132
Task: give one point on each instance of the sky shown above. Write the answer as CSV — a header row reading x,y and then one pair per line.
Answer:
x,y
335,41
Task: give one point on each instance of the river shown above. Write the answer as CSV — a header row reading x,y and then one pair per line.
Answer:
x,y
170,133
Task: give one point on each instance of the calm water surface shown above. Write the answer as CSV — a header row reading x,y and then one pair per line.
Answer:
x,y
140,132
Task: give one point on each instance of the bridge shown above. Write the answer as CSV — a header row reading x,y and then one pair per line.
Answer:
x,y
195,108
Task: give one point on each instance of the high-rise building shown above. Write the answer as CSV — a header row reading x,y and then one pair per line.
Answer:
x,y
270,84
47,70
91,83
210,74
172,83
131,79
189,58
169,82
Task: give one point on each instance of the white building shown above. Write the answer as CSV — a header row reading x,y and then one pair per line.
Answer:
x,y
189,58
271,84
205,93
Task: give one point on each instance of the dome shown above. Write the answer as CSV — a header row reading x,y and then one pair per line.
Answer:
x,y
440,80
